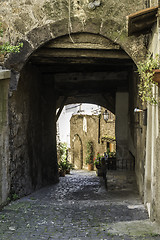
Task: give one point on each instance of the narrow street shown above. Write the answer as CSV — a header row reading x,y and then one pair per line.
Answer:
x,y
78,207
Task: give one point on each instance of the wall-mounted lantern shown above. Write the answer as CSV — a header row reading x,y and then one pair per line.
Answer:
x,y
106,115
137,110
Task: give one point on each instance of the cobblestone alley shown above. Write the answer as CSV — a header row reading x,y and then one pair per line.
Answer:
x,y
78,207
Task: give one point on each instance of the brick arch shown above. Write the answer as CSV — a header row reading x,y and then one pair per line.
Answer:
x,y
37,37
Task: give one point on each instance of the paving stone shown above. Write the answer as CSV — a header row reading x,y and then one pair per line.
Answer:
x,y
77,208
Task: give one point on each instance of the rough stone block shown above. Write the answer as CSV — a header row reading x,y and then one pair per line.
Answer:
x,y
92,25
77,25
59,28
39,36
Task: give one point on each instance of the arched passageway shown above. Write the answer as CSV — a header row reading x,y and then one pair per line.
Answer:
x,y
93,69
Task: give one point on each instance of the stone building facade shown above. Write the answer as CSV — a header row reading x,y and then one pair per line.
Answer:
x,y
85,128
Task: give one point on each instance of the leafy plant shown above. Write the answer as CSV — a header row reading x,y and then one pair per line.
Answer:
x,y
146,73
112,154
7,47
15,197
62,151
97,159
89,153
65,165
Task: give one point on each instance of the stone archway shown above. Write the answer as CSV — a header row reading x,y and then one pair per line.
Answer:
x,y
42,86
39,36
32,107
58,71
77,152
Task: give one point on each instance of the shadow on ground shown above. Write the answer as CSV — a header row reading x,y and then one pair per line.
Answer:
x,y
79,207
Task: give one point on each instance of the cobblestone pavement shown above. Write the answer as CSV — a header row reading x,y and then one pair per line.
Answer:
x,y
78,207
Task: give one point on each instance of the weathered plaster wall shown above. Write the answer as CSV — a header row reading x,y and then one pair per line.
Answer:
x,y
152,167
84,128
140,132
147,158
122,109
154,127
4,135
156,206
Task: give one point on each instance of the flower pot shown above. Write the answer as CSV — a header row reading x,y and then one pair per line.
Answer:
x,y
112,163
1,57
68,171
90,167
62,173
98,166
156,77
99,172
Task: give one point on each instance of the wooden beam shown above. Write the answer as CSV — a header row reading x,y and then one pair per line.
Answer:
x,y
46,53
141,21
61,107
90,77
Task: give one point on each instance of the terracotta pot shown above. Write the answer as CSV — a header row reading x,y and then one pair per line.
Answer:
x,y
1,57
62,173
98,166
90,167
156,77
68,171
99,172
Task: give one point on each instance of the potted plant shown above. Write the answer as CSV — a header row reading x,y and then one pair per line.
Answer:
x,y
89,155
97,161
62,168
98,165
62,154
69,167
112,161
149,76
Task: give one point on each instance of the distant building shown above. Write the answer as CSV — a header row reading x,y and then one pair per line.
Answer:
x,y
63,123
85,128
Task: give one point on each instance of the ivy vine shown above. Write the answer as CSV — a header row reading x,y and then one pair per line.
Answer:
x,y
7,47
146,73
89,152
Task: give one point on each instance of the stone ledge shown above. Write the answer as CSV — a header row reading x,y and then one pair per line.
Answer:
x,y
5,74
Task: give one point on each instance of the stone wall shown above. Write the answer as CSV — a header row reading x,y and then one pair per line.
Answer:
x,y
32,137
4,136
84,128
36,22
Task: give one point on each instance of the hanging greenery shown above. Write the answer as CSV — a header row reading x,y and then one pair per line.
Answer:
x,y
146,73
